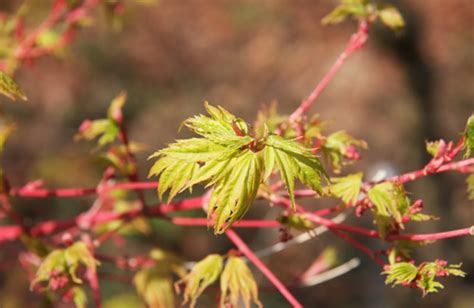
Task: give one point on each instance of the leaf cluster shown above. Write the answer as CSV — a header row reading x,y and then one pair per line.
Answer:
x,y
422,276
366,10
237,283
65,262
233,162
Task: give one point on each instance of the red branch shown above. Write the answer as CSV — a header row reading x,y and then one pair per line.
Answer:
x,y
356,42
235,238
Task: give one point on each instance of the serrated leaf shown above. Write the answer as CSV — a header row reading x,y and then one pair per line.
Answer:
x,y
238,284
235,189
293,160
10,88
390,16
53,262
469,137
203,274
390,203
221,127
77,254
402,272
347,188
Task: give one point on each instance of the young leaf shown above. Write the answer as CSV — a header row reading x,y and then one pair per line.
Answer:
x,y
293,160
79,297
339,147
400,273
10,88
470,186
390,203
235,189
203,274
155,286
238,284
347,188
297,221
469,137
390,16
106,129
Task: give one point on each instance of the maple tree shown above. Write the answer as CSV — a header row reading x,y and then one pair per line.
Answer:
x,y
235,163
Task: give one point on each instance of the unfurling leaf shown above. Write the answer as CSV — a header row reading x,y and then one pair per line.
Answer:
x,y
469,137
422,276
203,274
347,188
61,265
390,203
390,16
238,284
10,88
401,273
340,149
294,161
155,286
79,297
356,8
297,221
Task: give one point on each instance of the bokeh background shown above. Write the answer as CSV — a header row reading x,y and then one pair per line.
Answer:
x,y
398,92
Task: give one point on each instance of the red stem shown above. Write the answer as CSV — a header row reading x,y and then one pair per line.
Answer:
x,y
235,238
356,42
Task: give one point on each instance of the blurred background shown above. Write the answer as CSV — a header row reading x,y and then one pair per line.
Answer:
x,y
399,91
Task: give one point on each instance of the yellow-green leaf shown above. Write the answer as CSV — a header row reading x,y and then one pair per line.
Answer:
x,y
10,88
347,188
238,284
203,274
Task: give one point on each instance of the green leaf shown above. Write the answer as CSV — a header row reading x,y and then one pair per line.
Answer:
x,y
337,146
10,88
434,147
53,262
221,127
203,274
346,9
105,129
469,137
235,189
402,272
297,221
390,16
238,284
77,254
390,203
115,109
293,160
347,188
79,297
470,186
